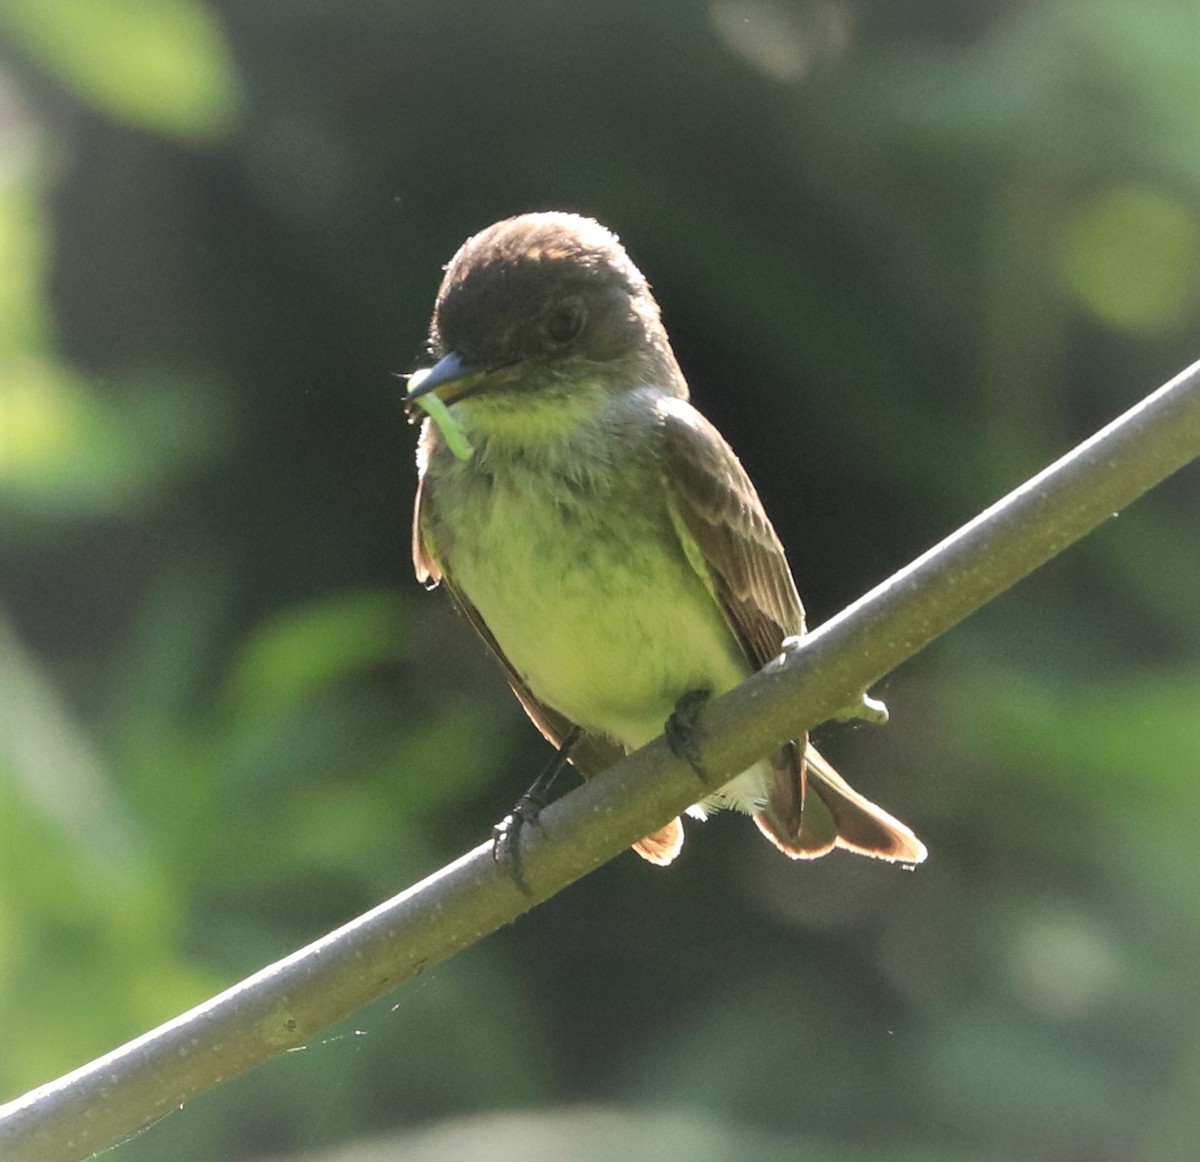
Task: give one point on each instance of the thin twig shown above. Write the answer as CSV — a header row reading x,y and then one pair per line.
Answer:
x,y
290,1002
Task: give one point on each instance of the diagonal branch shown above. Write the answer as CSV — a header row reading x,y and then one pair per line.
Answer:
x,y
290,1002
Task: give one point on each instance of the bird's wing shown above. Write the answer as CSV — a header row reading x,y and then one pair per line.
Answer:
x,y
722,522
713,499
591,753
731,544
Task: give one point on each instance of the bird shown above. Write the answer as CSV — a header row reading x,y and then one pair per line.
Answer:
x,y
598,532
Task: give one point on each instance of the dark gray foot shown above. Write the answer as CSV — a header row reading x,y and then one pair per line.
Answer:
x,y
683,732
506,835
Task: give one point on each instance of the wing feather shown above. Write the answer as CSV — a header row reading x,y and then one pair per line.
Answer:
x,y
717,505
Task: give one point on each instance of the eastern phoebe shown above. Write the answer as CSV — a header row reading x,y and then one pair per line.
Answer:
x,y
597,531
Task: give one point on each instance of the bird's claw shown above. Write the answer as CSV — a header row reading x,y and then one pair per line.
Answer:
x,y
506,836
682,731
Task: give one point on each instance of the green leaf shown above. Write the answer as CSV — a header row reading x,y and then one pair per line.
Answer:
x,y
160,64
304,650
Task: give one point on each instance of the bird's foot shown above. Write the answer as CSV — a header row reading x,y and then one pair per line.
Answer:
x,y
683,732
506,835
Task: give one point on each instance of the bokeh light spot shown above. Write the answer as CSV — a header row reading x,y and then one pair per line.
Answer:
x,y
1129,255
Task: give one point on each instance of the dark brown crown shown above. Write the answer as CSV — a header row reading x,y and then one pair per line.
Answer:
x,y
543,288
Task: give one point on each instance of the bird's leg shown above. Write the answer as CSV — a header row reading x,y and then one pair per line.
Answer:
x,y
682,731
506,846
867,709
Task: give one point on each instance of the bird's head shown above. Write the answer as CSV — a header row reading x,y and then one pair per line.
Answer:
x,y
539,310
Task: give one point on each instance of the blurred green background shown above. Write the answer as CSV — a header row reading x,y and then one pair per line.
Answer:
x,y
908,253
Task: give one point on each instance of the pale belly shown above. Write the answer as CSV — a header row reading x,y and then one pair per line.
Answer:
x,y
606,621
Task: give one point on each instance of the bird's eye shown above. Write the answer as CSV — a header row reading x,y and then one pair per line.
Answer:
x,y
565,321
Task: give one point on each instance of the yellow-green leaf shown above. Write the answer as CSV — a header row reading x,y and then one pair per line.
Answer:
x,y
161,64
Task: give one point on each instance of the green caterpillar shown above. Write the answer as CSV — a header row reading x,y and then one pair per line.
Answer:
x,y
455,437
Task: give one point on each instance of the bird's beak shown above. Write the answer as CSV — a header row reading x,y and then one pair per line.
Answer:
x,y
450,378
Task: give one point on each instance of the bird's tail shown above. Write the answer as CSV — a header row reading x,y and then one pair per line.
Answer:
x,y
833,814
664,845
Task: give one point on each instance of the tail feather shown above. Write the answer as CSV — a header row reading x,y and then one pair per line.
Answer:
x,y
809,810
834,814
663,846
